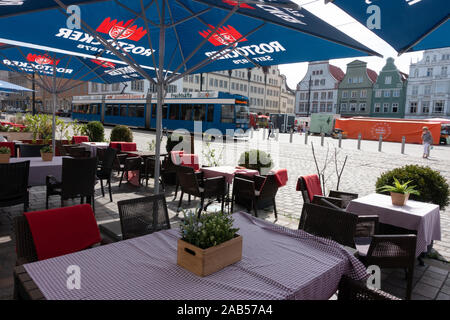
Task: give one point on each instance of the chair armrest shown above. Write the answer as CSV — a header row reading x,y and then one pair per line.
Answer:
x,y
394,246
367,226
244,187
330,202
214,186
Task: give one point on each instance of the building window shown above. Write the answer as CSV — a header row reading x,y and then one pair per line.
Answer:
x,y
211,82
429,72
352,106
314,108
395,107
363,93
343,107
344,94
438,106
416,73
444,71
388,80
414,90
316,82
426,107
329,107
362,107
396,93
323,96
387,93
354,94
427,90
302,96
378,93
413,107
316,96
385,107
377,107
94,87
350,80
322,82
330,95
322,107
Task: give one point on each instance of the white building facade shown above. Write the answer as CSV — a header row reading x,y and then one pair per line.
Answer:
x,y
265,87
428,92
321,82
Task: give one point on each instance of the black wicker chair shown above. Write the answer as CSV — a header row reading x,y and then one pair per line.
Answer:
x,y
329,223
148,171
14,184
255,192
30,150
106,168
350,289
391,251
143,216
131,164
193,184
79,152
339,198
78,180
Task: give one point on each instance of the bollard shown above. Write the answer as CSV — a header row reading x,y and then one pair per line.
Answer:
x,y
251,133
264,134
322,138
403,145
380,142
278,134
340,139
291,136
359,141
306,136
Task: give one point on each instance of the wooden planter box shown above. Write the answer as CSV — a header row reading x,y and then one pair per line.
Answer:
x,y
11,136
47,156
4,158
204,262
399,199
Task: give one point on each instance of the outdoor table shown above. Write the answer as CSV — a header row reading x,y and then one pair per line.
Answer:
x,y
227,171
277,263
144,154
93,146
39,169
422,217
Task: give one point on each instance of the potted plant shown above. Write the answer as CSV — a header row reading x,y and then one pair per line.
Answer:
x,y
256,160
5,154
399,192
47,153
208,243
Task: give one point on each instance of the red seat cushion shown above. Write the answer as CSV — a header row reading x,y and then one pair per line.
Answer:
x,y
190,160
80,139
11,146
128,146
115,145
281,177
63,230
313,187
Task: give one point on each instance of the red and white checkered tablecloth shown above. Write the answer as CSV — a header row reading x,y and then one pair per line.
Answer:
x,y
277,263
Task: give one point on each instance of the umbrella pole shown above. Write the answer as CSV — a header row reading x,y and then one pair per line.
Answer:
x,y
54,109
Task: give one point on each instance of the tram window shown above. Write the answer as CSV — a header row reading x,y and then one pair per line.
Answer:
x,y
123,110
174,112
94,108
109,110
154,111
132,110
164,111
227,113
140,111
186,112
199,112
115,109
210,115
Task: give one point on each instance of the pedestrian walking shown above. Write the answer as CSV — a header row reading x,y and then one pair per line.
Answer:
x,y
427,141
270,129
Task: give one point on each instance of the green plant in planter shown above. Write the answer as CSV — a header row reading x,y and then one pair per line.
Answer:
x,y
210,154
209,230
3,128
152,145
256,160
121,133
46,149
5,150
172,141
431,185
398,187
78,129
95,131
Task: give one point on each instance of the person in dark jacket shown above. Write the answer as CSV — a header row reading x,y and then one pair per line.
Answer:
x,y
427,140
270,129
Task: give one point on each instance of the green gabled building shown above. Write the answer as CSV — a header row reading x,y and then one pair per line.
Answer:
x,y
389,92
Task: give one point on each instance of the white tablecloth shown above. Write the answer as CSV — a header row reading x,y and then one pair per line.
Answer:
x,y
39,169
227,171
92,147
420,216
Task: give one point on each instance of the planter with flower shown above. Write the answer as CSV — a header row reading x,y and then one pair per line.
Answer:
x,y
47,153
5,154
208,243
399,192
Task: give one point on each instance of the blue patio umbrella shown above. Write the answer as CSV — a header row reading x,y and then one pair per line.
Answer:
x,y
407,25
177,37
11,87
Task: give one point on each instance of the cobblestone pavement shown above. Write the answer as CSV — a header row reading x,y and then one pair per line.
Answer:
x,y
431,281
